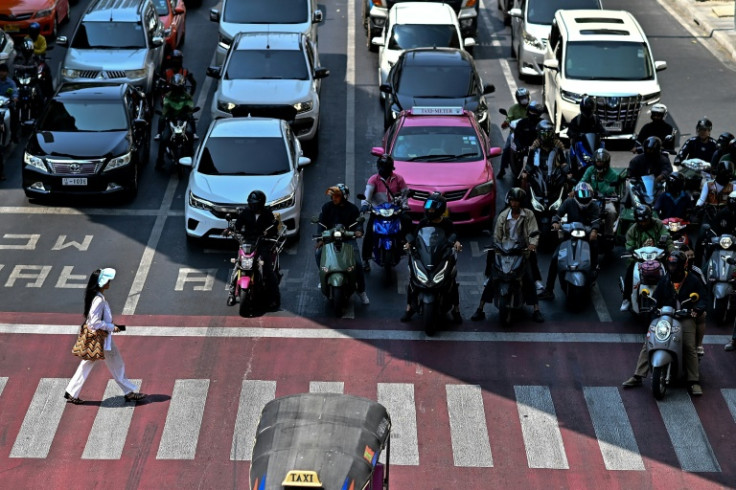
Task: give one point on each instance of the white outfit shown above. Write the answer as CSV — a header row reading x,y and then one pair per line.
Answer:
x,y
100,318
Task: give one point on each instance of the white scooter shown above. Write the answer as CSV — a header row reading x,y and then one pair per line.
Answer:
x,y
647,272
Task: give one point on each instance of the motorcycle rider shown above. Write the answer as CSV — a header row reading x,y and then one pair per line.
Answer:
x,y
657,127
526,129
27,62
517,224
674,288
579,208
176,66
604,181
38,39
435,208
547,141
9,89
585,122
39,55
715,192
674,202
340,211
645,232
254,221
723,223
701,146
516,111
177,102
381,187
651,162
722,148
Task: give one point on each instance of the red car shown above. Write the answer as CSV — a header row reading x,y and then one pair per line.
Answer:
x,y
173,14
17,15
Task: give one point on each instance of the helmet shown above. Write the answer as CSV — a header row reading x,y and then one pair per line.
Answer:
x,y
385,165
583,194
602,156
587,106
731,203
732,146
522,96
534,109
27,47
515,194
675,183
724,171
545,131
676,263
724,139
344,189
34,30
340,189
642,213
176,60
658,109
257,201
704,123
435,206
653,146
178,82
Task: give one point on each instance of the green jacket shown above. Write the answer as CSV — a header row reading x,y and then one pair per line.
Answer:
x,y
606,186
516,111
636,237
176,104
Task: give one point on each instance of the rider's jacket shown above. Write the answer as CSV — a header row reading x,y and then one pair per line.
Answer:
x,y
605,185
636,236
696,148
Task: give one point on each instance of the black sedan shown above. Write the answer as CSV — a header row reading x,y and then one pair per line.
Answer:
x,y
435,77
90,139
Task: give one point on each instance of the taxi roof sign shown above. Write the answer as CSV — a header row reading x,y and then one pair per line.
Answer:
x,y
437,111
302,478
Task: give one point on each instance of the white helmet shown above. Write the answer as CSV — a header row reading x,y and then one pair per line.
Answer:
x,y
659,109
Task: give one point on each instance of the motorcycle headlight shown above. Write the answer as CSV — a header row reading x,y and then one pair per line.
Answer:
x,y
34,162
481,189
337,234
726,242
674,226
440,276
301,107
387,213
537,206
662,330
531,40
26,80
199,203
578,233
246,263
283,202
696,164
44,13
226,106
573,97
555,205
420,275
118,162
69,73
224,42
136,73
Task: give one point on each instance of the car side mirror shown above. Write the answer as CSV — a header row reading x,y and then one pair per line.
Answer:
x,y
660,65
377,41
516,13
214,71
360,219
321,72
489,88
469,42
185,161
377,151
62,41
303,162
140,123
495,152
503,112
551,64
179,9
317,16
214,15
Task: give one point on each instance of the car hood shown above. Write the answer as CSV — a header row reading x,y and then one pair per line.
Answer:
x,y
442,175
612,88
107,59
25,6
230,189
231,29
264,91
468,103
80,145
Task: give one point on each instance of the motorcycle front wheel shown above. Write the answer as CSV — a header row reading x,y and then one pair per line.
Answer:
x,y
429,319
659,382
338,295
720,310
245,306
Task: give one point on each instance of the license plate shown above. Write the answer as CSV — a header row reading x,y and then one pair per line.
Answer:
x,y
74,181
613,125
11,28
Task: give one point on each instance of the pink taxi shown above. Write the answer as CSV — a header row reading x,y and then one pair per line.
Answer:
x,y
443,149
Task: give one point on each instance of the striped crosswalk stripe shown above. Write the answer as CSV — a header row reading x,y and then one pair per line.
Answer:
x,y
326,387
398,398
184,419
468,431
539,427
3,381
41,420
728,394
253,396
109,430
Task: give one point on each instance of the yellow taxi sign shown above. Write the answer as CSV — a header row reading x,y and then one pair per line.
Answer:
x,y
302,478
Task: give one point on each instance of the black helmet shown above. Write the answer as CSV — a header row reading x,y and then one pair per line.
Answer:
x,y
653,146
731,203
515,194
675,183
27,47
603,157
732,146
704,123
178,82
724,172
587,106
435,206
34,30
522,96
385,165
545,131
583,194
676,263
642,213
724,139
534,110
257,201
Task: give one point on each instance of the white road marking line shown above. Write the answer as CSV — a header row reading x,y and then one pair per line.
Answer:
x,y
508,76
539,428
398,398
3,382
599,304
106,440
350,99
687,434
205,90
184,419
326,387
612,428
41,420
86,212
253,397
728,394
468,429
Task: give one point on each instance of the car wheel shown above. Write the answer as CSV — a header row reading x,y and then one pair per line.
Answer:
x,y
133,190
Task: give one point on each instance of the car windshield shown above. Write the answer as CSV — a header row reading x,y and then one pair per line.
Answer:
x,y
543,11
437,144
610,60
268,12
121,35
267,64
409,36
435,81
84,116
244,156
162,6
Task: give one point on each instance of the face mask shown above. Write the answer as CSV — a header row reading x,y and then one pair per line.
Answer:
x,y
384,173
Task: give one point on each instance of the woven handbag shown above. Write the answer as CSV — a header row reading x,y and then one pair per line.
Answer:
x,y
90,344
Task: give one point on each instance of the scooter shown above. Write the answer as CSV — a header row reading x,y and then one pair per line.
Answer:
x,y
432,273
665,346
720,273
387,246
507,276
574,265
337,274
181,141
695,171
30,96
547,186
582,152
648,270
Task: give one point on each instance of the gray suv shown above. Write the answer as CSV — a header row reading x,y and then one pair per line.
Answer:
x,y
119,41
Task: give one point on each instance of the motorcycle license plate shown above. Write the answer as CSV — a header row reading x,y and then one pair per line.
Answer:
x,y
613,125
11,28
74,181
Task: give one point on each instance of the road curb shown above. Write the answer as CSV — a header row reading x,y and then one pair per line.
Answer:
x,y
700,20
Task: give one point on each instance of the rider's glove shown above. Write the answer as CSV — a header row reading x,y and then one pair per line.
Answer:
x,y
364,207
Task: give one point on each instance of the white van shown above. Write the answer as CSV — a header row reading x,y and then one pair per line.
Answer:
x,y
604,54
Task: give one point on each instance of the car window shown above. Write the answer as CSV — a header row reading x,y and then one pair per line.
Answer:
x,y
84,116
435,81
162,6
454,143
109,35
409,36
267,64
610,60
244,156
543,11
271,12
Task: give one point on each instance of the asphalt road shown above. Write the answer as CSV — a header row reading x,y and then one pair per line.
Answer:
x,y
49,249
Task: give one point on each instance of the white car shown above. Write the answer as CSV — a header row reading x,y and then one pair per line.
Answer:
x,y
417,25
7,48
237,156
271,75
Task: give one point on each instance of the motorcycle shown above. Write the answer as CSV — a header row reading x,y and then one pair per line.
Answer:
x,y
609,240
639,190
516,155
30,96
582,152
247,285
546,184
432,273
695,171
720,273
574,267
648,270
507,276
337,274
181,141
665,346
387,246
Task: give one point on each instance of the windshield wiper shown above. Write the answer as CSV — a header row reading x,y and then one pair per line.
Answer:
x,y
430,157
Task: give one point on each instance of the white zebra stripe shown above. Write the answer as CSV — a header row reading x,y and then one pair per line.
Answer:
x,y
41,420
398,398
106,440
326,387
468,430
184,419
542,437
253,397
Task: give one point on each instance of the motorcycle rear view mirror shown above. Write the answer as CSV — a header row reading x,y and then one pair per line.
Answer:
x,y
360,196
314,220
503,112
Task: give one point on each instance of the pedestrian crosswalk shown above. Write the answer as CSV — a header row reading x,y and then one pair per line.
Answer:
x,y
465,420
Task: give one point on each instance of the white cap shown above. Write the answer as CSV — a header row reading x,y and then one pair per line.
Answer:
x,y
106,275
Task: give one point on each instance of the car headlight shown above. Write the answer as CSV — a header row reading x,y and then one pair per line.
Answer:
x,y
651,98
44,13
34,162
136,73
440,275
226,106
69,73
481,189
662,330
283,202
573,97
199,203
224,42
118,162
420,275
726,242
531,40
301,107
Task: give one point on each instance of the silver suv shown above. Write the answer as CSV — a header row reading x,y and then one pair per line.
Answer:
x,y
120,41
